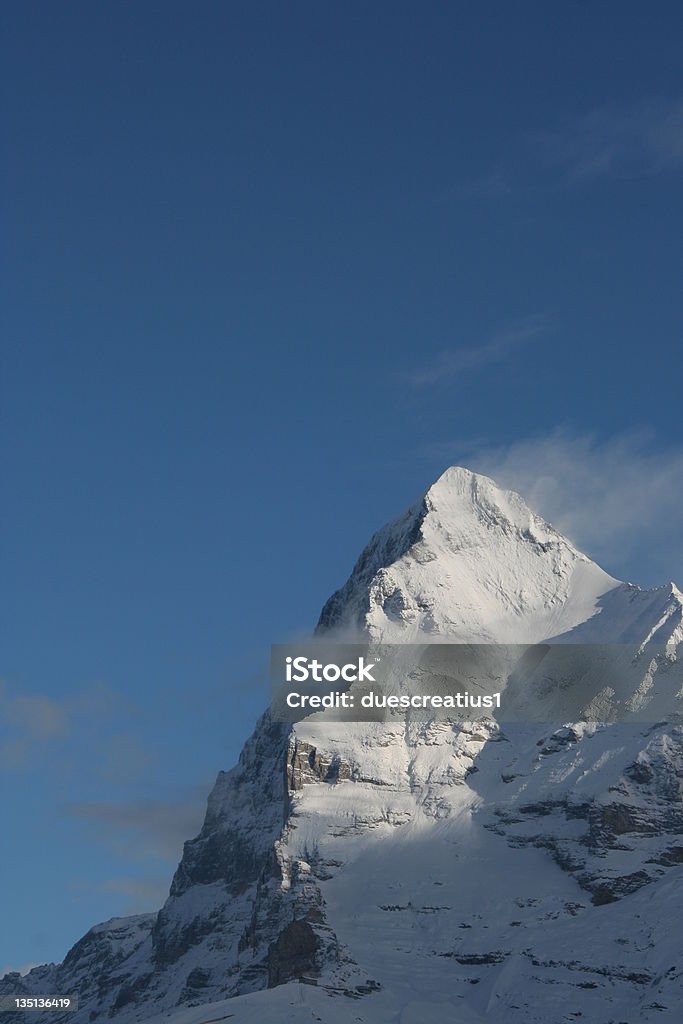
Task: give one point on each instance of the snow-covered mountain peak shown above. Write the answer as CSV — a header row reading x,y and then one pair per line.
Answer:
x,y
437,870
469,561
469,506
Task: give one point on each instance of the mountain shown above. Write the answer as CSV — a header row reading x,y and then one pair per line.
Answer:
x,y
422,871
469,562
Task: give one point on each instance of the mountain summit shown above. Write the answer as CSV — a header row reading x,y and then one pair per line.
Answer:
x,y
412,872
469,562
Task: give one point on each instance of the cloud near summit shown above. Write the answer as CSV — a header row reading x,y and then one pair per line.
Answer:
x,y
618,499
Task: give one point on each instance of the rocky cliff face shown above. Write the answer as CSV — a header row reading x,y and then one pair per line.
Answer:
x,y
416,871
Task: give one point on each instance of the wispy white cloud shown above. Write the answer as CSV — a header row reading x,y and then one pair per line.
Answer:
x,y
619,499
34,715
627,141
144,829
453,362
28,721
630,142
36,725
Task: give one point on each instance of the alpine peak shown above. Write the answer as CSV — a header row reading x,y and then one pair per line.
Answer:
x,y
469,562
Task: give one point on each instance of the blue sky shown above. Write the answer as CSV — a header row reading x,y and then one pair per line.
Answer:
x,y
267,270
